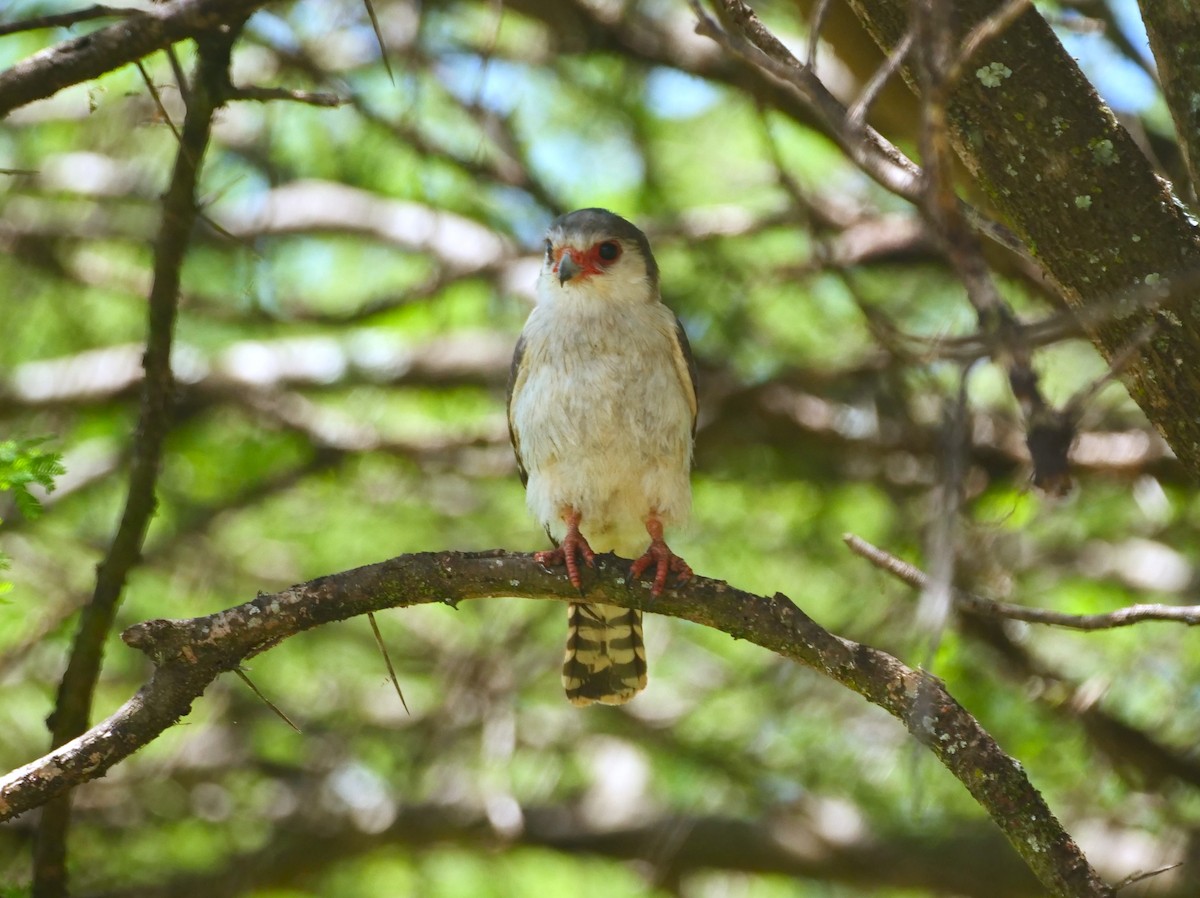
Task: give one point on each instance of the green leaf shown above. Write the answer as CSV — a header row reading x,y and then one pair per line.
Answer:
x,y
22,464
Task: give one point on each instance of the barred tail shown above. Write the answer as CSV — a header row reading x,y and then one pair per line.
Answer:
x,y
605,659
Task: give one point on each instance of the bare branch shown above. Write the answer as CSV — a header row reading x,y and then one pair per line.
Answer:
x,y
857,115
188,655
1122,617
154,94
1094,183
267,94
1141,876
67,19
46,73
746,37
880,159
814,32
1174,29
75,693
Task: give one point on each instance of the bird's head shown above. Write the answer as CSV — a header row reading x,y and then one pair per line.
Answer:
x,y
594,254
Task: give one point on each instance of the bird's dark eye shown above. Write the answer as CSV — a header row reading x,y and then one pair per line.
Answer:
x,y
609,250
549,247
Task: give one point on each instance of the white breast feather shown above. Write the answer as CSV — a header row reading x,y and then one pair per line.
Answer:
x,y
603,415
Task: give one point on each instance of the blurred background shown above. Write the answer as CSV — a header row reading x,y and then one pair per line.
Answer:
x,y
349,306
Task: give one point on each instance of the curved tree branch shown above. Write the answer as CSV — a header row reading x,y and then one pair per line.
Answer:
x,y
83,58
188,655
74,701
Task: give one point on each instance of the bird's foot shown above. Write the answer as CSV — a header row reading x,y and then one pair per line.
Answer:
x,y
570,550
664,560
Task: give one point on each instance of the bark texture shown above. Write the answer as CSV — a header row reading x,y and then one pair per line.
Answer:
x,y
1071,182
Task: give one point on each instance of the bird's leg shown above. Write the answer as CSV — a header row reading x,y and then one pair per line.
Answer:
x,y
572,543
664,560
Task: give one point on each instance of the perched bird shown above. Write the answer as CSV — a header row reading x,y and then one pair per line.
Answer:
x,y
602,414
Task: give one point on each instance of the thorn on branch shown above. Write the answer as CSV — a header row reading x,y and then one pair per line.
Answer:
x,y
387,659
266,701
379,39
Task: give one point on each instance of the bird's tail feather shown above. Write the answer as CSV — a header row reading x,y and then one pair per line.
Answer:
x,y
605,659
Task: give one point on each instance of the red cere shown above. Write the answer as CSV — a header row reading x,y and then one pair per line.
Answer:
x,y
592,260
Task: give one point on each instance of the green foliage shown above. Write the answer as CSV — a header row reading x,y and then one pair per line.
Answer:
x,y
315,431
23,463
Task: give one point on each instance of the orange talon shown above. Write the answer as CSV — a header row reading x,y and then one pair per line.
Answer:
x,y
572,543
664,560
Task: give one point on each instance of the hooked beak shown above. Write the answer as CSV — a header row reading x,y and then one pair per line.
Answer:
x,y
567,267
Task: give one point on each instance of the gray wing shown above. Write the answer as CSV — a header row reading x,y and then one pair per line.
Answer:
x,y
689,361
516,380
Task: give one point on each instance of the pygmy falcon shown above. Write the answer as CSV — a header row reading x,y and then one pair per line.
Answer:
x,y
602,415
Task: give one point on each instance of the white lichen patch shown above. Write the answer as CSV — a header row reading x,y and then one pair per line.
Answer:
x,y
1103,152
1060,125
1152,278
992,74
1084,201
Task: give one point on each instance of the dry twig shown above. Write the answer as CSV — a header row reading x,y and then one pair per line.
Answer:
x,y
966,601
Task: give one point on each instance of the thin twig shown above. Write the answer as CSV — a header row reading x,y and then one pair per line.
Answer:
x,y
746,37
1074,407
877,157
267,94
1139,876
814,33
965,601
933,610
181,81
162,110
857,113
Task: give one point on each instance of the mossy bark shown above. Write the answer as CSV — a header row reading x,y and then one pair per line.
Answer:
x,y
1173,27
1070,181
